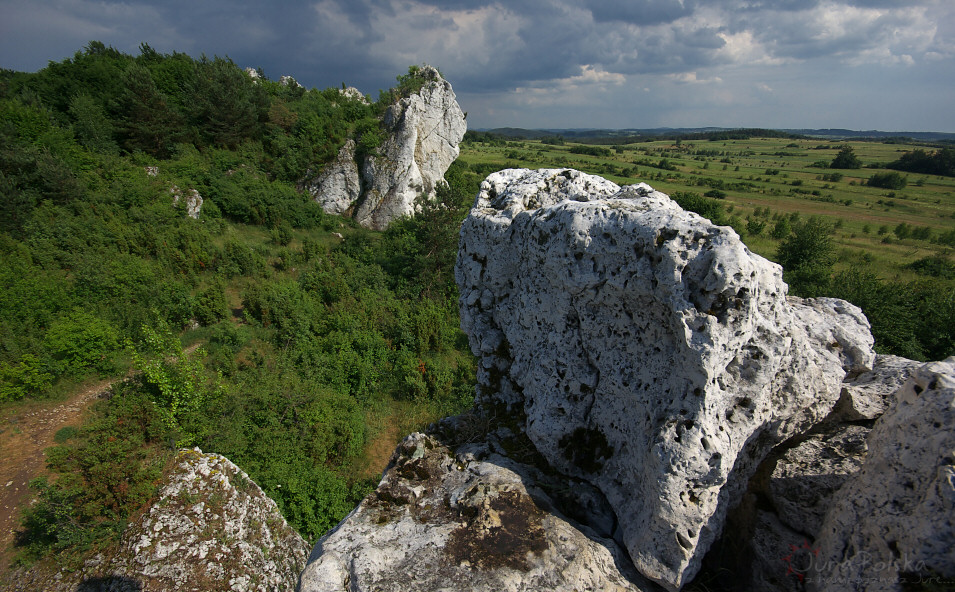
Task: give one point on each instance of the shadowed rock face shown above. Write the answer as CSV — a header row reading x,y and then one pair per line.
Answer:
x,y
424,131
895,518
653,354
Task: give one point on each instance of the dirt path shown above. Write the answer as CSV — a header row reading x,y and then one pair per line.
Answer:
x,y
25,433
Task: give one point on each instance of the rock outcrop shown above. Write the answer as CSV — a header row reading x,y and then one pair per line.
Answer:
x,y
211,528
648,393
190,199
471,519
422,133
652,353
894,520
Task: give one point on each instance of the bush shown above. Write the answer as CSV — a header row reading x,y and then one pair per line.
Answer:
x,y
105,472
891,180
80,342
807,256
23,379
704,206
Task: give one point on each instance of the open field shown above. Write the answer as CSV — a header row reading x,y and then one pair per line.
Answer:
x,y
762,179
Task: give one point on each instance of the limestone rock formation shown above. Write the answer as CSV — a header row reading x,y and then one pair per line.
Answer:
x,y
643,378
211,528
338,186
893,522
422,136
470,520
190,199
653,354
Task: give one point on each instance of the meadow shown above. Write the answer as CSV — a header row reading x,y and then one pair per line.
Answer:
x,y
761,180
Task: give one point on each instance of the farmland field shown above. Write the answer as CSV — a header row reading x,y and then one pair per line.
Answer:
x,y
761,180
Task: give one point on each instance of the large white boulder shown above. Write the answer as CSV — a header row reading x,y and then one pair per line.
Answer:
x,y
338,186
653,354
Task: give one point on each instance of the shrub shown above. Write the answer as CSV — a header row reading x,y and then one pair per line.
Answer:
x,y
80,342
891,180
807,256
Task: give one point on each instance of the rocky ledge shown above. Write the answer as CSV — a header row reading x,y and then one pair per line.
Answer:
x,y
651,404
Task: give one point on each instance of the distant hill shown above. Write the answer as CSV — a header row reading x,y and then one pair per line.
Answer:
x,y
607,136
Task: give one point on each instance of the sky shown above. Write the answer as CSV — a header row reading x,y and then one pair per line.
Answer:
x,y
855,64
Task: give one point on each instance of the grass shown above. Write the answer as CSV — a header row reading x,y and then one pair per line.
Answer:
x,y
771,177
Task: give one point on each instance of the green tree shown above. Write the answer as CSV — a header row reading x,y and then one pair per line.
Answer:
x,y
90,124
846,159
807,256
179,384
147,121
226,106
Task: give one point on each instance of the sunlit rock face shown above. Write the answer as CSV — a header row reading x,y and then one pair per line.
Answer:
x,y
422,134
651,352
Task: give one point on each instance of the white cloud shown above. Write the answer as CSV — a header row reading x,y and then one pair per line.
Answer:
x,y
693,78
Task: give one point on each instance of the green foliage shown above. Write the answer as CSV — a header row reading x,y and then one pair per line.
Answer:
x,y
935,266
179,385
210,305
890,180
227,107
807,256
941,162
80,342
846,159
93,254
915,320
92,127
104,473
591,150
25,378
148,122
704,206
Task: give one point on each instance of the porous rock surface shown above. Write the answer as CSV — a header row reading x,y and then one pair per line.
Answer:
x,y
866,396
470,520
893,522
211,528
422,136
652,353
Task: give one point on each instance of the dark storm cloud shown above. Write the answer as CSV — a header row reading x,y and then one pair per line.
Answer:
x,y
492,48
640,12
